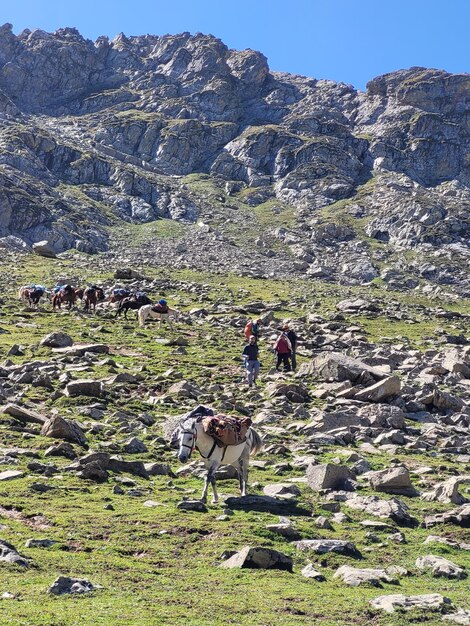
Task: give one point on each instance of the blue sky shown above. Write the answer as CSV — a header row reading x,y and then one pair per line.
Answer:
x,y
344,40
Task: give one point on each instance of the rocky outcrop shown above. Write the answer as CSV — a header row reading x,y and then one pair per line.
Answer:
x,y
181,127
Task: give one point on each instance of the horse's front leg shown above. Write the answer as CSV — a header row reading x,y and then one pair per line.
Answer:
x,y
210,479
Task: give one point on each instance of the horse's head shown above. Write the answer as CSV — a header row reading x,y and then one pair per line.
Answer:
x,y
184,439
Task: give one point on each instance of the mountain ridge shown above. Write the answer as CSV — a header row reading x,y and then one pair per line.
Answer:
x,y
94,134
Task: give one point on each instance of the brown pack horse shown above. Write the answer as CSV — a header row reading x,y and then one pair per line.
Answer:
x,y
91,296
31,295
65,295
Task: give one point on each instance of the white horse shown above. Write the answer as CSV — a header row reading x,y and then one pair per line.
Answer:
x,y
146,312
190,435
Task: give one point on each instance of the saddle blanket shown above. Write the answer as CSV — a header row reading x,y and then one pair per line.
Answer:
x,y
226,430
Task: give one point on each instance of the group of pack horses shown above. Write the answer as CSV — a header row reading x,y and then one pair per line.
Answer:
x,y
121,300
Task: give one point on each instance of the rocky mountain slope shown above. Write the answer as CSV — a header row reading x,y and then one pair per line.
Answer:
x,y
271,173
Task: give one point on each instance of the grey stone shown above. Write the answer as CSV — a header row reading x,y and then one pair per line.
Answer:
x,y
447,491
380,391
459,516
64,584
440,567
9,554
282,490
392,509
57,340
192,505
259,558
328,476
92,388
395,480
426,602
11,474
323,546
43,248
355,576
310,572
59,428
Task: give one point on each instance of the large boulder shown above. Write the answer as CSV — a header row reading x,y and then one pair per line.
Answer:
x,y
355,576
425,602
9,554
394,480
57,340
460,517
24,415
393,509
323,546
339,367
64,584
455,362
440,567
292,391
59,428
329,476
184,389
447,491
380,391
44,248
259,558
91,388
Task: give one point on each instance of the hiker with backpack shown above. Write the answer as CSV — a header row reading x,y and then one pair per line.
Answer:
x,y
291,335
250,358
252,328
283,348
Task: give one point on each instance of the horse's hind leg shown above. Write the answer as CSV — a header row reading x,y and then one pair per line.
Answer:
x,y
243,473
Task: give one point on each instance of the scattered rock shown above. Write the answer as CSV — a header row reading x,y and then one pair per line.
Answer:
x,y
323,546
57,340
354,576
395,480
9,554
426,602
59,428
440,567
329,476
92,388
64,584
192,505
259,558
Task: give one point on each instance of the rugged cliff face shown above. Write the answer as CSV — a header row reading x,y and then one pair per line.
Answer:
x,y
336,183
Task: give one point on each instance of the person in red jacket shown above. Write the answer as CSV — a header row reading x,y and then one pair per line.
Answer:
x,y
252,329
283,348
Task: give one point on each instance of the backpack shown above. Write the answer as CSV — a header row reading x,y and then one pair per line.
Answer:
x,y
248,329
226,430
283,345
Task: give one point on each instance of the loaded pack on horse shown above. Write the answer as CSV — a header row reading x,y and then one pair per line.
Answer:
x,y
64,294
134,303
160,311
31,294
118,294
220,440
92,295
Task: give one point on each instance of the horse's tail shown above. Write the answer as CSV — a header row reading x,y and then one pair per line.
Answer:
x,y
256,442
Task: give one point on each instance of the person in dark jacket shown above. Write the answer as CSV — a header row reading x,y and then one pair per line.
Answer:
x,y
250,357
291,335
